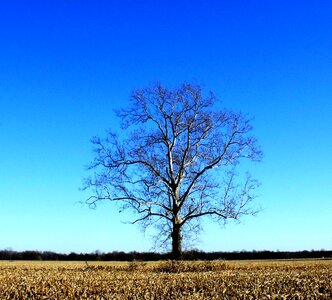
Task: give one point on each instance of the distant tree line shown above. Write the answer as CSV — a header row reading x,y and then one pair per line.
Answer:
x,y
154,256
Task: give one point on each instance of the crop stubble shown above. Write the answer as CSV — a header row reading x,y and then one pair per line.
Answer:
x,y
167,280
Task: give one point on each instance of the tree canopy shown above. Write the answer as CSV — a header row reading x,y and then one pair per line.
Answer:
x,y
175,162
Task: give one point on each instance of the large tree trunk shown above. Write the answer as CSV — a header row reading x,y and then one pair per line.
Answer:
x,y
176,242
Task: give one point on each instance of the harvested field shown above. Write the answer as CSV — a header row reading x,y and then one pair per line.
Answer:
x,y
308,279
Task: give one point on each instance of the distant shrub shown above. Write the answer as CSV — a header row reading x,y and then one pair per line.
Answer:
x,y
174,266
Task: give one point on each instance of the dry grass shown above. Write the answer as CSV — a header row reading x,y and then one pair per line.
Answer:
x,y
167,280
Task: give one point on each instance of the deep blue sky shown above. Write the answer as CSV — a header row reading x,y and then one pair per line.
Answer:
x,y
65,65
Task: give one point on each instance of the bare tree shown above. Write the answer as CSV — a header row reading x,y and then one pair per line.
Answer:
x,y
174,162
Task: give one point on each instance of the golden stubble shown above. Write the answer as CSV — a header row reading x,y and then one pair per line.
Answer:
x,y
303,279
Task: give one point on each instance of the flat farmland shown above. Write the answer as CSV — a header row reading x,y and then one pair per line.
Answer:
x,y
302,279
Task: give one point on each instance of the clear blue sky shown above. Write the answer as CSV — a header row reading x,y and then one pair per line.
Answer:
x,y
65,65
